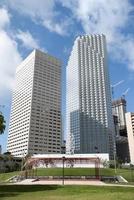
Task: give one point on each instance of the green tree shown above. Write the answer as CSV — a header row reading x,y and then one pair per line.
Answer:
x,y
2,123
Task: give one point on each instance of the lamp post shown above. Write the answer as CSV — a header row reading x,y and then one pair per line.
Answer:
x,y
63,160
115,166
131,168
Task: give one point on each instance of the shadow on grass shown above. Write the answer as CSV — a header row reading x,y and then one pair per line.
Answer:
x,y
7,194
27,188
15,190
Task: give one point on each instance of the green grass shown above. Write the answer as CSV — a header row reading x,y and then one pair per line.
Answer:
x,y
73,172
6,176
44,192
127,174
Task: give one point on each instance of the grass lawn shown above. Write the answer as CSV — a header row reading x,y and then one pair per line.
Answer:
x,y
73,172
42,192
126,173
6,176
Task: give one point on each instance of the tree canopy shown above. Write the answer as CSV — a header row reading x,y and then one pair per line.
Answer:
x,y
2,123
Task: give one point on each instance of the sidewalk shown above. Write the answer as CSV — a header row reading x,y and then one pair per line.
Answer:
x,y
67,182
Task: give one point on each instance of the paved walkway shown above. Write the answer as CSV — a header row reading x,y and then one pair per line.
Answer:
x,y
68,182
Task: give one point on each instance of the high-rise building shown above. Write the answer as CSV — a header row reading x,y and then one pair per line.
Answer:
x,y
88,102
119,110
35,121
130,132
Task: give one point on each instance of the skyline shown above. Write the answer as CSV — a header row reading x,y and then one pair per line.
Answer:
x,y
52,26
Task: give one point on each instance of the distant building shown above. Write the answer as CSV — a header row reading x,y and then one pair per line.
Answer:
x,y
130,132
35,122
119,111
88,101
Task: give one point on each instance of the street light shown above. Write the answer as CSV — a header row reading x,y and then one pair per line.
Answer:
x,y
63,160
115,166
131,168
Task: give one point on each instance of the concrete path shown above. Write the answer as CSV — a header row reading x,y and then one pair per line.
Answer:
x,y
68,182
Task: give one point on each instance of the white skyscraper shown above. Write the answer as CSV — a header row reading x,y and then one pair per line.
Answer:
x,y
88,101
35,121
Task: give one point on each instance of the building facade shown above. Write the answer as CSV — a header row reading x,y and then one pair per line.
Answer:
x,y
130,132
119,111
35,121
88,101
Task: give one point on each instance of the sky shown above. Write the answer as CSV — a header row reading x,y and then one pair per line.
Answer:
x,y
52,26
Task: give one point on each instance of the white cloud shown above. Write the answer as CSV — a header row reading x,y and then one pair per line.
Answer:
x,y
9,55
4,18
37,9
10,58
95,16
42,12
60,28
110,18
128,51
27,40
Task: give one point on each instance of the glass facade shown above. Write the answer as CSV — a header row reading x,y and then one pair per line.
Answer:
x,y
89,110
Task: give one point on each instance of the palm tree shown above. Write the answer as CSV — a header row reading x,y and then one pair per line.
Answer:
x,y
2,123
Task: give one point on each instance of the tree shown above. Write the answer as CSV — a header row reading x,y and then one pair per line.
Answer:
x,y
2,123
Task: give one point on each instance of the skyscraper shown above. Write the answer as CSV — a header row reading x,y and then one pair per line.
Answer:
x,y
89,118
35,121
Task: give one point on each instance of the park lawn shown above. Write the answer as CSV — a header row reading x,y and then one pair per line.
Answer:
x,y
73,172
44,192
6,176
126,173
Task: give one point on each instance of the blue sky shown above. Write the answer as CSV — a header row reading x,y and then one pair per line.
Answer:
x,y
52,26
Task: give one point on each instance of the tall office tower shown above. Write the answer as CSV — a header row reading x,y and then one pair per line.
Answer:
x,y
88,101
130,132
35,123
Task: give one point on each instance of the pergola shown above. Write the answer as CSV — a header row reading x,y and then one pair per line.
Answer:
x,y
64,161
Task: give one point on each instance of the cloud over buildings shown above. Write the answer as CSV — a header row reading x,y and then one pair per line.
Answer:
x,y
43,13
110,18
27,40
9,54
94,16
